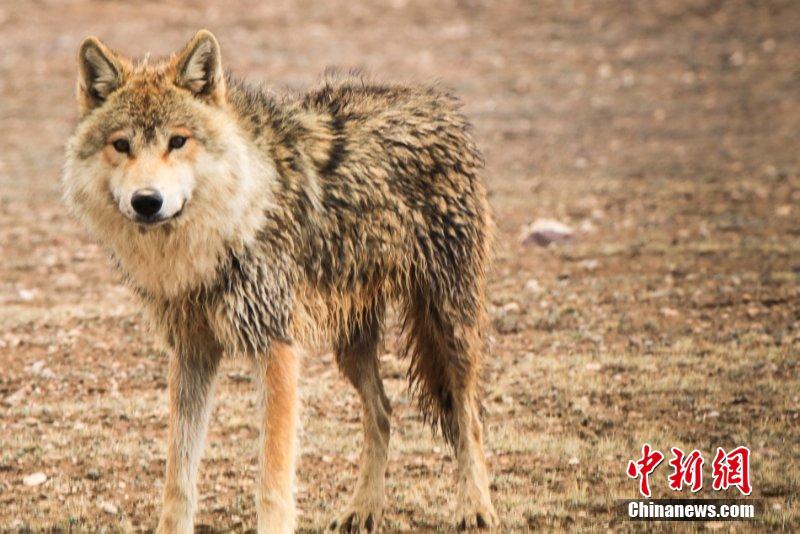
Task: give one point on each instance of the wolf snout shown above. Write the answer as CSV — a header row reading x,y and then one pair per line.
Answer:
x,y
146,202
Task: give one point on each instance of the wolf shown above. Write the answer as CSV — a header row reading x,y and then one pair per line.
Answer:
x,y
252,224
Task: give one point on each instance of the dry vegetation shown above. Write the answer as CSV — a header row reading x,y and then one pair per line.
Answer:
x,y
664,131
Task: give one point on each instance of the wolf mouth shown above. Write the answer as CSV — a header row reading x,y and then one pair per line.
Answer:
x,y
155,221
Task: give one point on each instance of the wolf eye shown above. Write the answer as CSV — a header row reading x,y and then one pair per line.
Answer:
x,y
176,142
122,146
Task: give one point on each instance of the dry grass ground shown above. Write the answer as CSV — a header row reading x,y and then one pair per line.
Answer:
x,y
665,131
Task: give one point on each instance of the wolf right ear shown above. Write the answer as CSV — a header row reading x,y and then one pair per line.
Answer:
x,y
101,73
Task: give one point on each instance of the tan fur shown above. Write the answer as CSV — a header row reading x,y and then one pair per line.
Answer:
x,y
274,498
291,221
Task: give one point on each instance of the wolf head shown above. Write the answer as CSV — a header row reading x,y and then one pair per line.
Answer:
x,y
158,167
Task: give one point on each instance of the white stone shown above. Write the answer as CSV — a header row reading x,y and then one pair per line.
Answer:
x,y
35,479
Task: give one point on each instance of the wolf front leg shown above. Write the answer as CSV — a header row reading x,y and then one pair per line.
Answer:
x,y
192,370
275,486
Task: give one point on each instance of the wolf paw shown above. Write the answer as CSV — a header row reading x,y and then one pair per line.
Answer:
x,y
357,520
478,517
172,525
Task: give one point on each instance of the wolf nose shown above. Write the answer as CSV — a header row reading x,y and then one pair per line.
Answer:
x,y
146,202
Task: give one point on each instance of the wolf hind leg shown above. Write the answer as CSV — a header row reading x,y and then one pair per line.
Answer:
x,y
444,342
357,357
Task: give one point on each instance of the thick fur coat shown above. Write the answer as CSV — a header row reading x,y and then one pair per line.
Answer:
x,y
293,220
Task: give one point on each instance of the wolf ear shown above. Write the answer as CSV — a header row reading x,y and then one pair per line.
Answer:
x,y
101,73
199,67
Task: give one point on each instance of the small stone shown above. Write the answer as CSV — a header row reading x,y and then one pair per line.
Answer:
x,y
511,307
93,474
47,374
533,286
35,479
574,461
25,295
593,367
628,78
669,312
36,367
545,231
109,508
15,397
590,265
587,227
67,280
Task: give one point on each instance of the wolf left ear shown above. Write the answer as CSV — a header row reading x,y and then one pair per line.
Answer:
x,y
199,67
101,73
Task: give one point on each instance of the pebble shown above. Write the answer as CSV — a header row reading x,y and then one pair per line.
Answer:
x,y
36,367
587,227
25,295
67,280
546,231
15,397
109,507
511,307
533,286
35,479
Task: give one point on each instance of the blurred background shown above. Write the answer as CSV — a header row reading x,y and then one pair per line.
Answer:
x,y
642,164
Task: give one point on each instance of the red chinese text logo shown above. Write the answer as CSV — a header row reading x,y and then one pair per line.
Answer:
x,y
732,470
686,469
729,470
643,467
